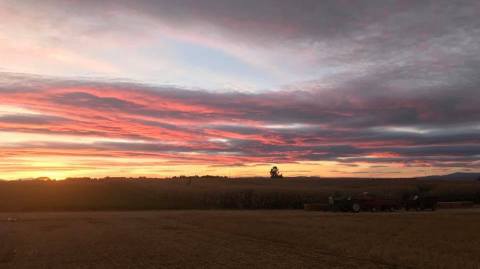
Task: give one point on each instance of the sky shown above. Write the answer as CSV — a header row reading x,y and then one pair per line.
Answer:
x,y
222,87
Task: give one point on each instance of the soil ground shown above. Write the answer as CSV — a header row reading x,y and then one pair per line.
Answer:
x,y
240,239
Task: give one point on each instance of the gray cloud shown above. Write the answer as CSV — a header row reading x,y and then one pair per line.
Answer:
x,y
402,77
359,37
30,119
329,138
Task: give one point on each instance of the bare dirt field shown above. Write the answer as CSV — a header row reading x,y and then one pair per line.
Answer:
x,y
240,239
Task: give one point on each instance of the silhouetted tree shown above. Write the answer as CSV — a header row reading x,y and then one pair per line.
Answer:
x,y
275,173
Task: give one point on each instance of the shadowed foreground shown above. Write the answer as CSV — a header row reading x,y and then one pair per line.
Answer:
x,y
237,239
254,193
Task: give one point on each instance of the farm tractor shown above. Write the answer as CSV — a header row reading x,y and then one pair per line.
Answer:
x,y
371,202
363,202
421,202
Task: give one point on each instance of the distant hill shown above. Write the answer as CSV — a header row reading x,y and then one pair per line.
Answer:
x,y
455,176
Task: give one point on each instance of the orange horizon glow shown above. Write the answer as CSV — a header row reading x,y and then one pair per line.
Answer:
x,y
170,88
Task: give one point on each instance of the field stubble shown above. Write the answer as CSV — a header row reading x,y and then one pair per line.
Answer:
x,y
239,239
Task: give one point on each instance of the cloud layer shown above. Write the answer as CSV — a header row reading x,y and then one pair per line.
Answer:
x,y
371,85
85,118
251,45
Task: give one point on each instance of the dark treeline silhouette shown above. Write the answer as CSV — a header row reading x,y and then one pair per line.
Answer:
x,y
116,193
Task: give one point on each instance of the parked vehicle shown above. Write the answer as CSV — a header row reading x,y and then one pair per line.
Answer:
x,y
421,202
343,204
372,202
363,202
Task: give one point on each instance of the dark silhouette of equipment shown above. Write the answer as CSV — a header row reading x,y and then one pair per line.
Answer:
x,y
275,173
421,201
363,202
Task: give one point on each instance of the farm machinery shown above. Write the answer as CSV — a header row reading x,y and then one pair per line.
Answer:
x,y
363,202
371,202
421,202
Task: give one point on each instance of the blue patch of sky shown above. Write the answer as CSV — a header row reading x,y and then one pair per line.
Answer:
x,y
219,63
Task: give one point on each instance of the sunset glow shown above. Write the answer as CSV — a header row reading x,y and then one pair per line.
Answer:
x,y
168,88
